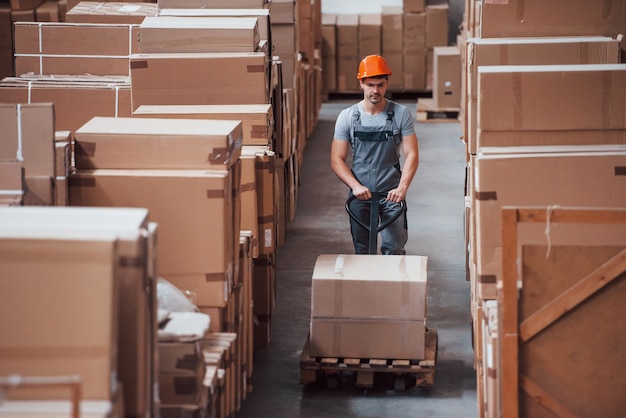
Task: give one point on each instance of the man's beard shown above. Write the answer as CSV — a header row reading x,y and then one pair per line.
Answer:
x,y
375,98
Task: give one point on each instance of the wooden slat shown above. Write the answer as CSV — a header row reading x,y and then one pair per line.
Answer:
x,y
508,319
571,215
576,294
545,399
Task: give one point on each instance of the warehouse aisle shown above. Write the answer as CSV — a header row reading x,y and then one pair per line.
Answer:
x,y
435,213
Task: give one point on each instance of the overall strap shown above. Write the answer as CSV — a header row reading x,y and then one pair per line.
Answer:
x,y
390,111
356,118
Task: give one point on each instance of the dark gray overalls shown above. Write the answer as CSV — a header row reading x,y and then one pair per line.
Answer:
x,y
376,165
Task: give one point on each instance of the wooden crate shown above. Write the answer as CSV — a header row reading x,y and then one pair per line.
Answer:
x,y
561,335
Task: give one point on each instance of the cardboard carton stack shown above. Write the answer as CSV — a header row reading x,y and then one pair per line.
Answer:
x,y
129,123
33,162
368,306
405,35
186,173
100,313
542,117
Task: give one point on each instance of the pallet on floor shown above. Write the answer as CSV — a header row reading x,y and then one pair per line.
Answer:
x,y
428,112
417,372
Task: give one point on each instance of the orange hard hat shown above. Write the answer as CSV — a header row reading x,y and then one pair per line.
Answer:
x,y
372,66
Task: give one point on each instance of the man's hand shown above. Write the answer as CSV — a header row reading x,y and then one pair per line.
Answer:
x,y
361,192
396,195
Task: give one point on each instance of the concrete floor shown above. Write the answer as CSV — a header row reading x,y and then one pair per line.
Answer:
x,y
435,214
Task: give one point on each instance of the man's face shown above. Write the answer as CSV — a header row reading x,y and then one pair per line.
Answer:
x,y
374,89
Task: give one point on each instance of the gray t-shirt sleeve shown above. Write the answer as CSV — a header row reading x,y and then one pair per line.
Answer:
x,y
407,127
342,125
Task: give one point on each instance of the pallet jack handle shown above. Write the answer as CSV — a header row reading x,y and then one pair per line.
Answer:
x,y
374,227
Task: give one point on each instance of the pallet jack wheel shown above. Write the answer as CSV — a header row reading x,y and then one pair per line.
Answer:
x,y
332,381
399,383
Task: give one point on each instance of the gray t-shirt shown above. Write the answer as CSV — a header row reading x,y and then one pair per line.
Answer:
x,y
402,117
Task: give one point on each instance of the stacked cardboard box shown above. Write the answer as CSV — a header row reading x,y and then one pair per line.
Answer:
x,y
110,149
362,306
197,162
408,36
105,304
27,155
539,97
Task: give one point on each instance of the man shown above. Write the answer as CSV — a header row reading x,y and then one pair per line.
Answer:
x,y
377,130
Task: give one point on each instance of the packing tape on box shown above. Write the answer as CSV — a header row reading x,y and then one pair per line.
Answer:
x,y
247,187
485,195
406,301
518,97
606,103
338,287
215,194
19,155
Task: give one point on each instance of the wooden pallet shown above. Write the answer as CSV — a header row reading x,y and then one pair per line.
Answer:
x,y
428,112
419,373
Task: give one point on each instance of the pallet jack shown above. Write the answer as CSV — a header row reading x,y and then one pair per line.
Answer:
x,y
416,372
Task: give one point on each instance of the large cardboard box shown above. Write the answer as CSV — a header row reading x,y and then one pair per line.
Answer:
x,y
48,11
51,48
193,209
249,199
28,137
447,77
25,4
110,12
413,6
393,44
266,196
347,52
362,306
551,97
135,143
283,11
257,119
414,41
370,34
577,176
556,18
437,25
566,50
137,276
367,338
76,99
75,332
198,34
192,78
261,15
11,177
329,52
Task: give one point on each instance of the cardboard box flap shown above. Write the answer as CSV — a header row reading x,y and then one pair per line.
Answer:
x,y
184,326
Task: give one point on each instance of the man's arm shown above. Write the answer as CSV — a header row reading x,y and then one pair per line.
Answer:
x,y
410,150
338,155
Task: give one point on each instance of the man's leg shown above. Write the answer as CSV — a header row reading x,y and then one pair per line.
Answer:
x,y
395,236
360,235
